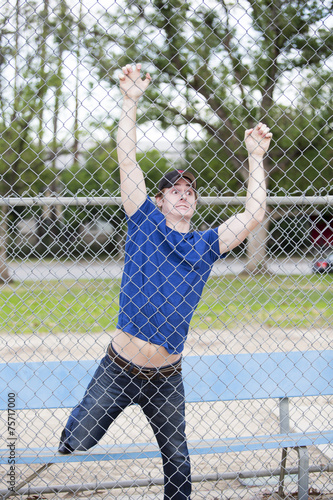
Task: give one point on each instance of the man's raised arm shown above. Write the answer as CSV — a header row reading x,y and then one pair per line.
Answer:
x,y
238,227
132,183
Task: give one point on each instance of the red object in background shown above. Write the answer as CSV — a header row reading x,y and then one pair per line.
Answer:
x,y
322,232
321,264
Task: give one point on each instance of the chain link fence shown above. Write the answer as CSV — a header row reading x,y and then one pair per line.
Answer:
x,y
217,69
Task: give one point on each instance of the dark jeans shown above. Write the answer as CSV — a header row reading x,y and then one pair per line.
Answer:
x,y
162,400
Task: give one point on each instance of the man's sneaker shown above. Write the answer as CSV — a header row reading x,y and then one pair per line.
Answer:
x,y
64,448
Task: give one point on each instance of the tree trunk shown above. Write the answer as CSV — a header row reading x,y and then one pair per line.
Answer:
x,y
76,133
256,248
43,87
4,273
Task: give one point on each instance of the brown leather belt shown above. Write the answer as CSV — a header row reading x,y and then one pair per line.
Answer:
x,y
141,372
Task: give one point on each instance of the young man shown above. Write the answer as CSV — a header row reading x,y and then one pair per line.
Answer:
x,y
166,268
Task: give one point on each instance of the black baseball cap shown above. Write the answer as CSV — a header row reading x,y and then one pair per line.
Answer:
x,y
170,178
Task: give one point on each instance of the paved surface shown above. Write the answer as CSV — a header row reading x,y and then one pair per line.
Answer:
x,y
55,270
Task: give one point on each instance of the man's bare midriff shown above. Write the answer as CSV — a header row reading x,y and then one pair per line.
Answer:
x,y
142,353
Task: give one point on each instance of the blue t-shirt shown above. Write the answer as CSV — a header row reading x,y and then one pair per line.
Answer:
x,y
164,275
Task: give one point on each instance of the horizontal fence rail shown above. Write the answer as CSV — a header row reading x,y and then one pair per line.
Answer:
x,y
203,200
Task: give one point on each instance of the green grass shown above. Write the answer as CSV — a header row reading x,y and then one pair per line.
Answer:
x,y
228,301
67,307
279,301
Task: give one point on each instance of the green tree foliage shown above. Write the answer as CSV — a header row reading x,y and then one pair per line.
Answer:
x,y
222,67
217,68
34,39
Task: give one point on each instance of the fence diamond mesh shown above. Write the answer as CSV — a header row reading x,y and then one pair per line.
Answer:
x,y
87,261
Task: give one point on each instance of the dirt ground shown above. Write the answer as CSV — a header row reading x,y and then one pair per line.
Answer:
x,y
203,420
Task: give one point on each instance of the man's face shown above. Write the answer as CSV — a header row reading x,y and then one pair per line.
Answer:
x,y
179,200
